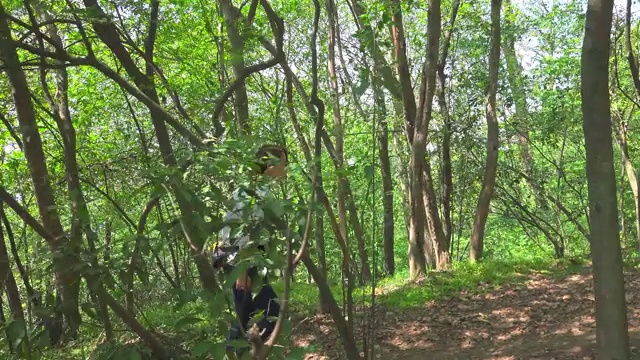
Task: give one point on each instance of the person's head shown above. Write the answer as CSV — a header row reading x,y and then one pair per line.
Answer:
x,y
272,160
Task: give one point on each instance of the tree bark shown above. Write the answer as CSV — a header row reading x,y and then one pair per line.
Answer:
x,y
387,183
611,315
332,15
486,193
81,218
351,206
417,265
346,332
108,33
241,99
8,282
632,175
419,118
447,173
92,280
424,206
65,252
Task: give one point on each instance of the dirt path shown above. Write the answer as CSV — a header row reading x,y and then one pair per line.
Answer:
x,y
540,318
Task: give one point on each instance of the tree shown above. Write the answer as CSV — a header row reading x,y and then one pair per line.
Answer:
x,y
611,318
493,141
65,252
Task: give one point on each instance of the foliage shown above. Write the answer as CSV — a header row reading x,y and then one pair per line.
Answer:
x,y
538,212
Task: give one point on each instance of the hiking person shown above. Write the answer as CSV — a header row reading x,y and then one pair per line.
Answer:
x,y
248,224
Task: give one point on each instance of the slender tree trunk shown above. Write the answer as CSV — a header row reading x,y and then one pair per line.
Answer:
x,y
387,184
417,121
351,206
611,315
623,222
484,201
447,176
354,220
320,247
67,279
345,329
417,265
222,78
319,216
172,252
108,33
8,280
81,219
338,131
632,175
421,181
35,299
241,100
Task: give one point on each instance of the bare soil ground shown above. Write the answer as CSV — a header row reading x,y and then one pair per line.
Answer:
x,y
544,317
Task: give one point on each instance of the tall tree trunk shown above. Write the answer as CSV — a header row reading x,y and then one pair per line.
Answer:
x,y
9,281
417,265
387,183
108,33
447,176
484,201
354,220
611,315
222,78
241,100
319,216
346,329
35,299
320,245
419,118
66,252
351,206
92,279
424,206
401,146
81,219
332,15
632,175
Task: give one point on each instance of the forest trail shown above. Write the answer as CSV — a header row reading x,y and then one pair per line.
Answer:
x,y
542,317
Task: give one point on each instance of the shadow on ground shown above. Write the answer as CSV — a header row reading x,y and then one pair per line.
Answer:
x,y
540,317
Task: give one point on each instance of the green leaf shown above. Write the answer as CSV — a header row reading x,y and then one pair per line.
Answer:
x,y
16,331
360,89
186,321
369,171
133,354
203,348
298,353
219,351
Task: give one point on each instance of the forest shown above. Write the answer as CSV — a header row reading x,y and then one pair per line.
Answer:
x,y
460,179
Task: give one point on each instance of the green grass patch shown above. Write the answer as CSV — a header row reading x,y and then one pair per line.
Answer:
x,y
399,291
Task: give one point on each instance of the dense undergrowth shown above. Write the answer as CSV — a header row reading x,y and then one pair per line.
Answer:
x,y
188,326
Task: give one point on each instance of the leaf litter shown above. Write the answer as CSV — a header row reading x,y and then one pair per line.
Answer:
x,y
544,317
